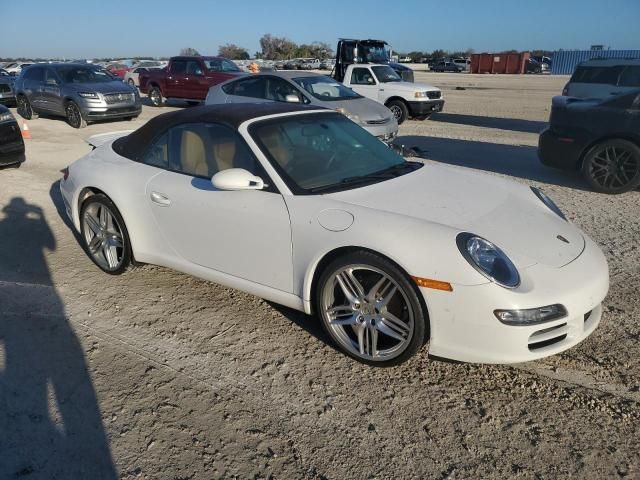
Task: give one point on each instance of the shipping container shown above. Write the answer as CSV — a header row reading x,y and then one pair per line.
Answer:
x,y
564,62
499,62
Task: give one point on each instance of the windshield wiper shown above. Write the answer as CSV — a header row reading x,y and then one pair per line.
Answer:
x,y
385,174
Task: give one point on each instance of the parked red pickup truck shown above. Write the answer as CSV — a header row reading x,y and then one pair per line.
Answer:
x,y
186,78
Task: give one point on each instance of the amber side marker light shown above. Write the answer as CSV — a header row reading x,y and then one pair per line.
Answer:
x,y
435,284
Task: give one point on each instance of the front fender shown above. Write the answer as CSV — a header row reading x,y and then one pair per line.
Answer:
x,y
422,249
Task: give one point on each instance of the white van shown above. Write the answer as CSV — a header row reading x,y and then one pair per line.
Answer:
x,y
602,78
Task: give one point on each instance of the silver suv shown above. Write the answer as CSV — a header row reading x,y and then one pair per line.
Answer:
x,y
82,93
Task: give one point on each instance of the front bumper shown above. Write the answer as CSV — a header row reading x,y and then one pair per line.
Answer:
x,y
425,107
7,98
98,109
562,152
464,327
11,144
386,132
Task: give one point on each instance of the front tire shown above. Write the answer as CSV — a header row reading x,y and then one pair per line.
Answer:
x,y
155,96
612,166
371,310
104,235
24,108
399,110
74,115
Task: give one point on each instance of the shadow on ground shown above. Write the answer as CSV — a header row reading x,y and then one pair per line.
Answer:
x,y
513,124
514,160
50,421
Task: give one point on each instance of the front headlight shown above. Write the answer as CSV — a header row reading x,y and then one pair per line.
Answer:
x,y
351,116
88,95
6,117
488,259
548,202
420,94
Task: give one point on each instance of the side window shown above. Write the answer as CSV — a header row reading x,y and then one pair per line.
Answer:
x,y
362,76
158,154
215,65
178,66
51,77
278,89
35,74
202,150
194,68
630,77
251,87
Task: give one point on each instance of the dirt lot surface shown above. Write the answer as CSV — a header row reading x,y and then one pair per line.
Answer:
x,y
159,375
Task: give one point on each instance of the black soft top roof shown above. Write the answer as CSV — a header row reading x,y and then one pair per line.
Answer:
x,y
134,145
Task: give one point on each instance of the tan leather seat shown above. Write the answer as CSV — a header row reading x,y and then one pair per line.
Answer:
x,y
272,139
224,154
193,155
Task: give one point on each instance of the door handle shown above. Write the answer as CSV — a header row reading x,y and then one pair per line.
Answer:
x,y
160,199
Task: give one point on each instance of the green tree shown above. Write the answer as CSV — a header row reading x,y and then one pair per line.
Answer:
x,y
233,51
189,52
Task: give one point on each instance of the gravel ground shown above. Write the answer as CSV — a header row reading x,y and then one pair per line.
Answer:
x,y
156,374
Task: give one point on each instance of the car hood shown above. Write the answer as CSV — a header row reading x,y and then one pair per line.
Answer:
x,y
365,108
503,212
116,86
408,86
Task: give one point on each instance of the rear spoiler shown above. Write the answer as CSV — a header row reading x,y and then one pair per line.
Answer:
x,y
102,138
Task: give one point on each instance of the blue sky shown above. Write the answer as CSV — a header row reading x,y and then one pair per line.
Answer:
x,y
89,28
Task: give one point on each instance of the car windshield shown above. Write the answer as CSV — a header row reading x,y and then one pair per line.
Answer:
x,y
73,74
325,88
221,65
386,74
325,152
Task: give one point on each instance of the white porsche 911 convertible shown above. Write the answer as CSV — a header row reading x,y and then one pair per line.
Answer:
x,y
304,208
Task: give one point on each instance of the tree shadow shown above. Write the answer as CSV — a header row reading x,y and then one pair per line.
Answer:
x,y
513,124
50,421
514,160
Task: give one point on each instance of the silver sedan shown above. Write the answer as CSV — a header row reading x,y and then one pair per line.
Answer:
x,y
308,89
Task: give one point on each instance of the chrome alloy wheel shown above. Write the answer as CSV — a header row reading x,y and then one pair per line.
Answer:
x,y
368,313
103,236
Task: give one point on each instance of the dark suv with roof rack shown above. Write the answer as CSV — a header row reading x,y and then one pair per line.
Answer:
x,y
82,93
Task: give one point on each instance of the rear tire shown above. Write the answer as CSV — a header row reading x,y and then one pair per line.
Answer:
x,y
155,96
612,166
104,235
24,108
399,110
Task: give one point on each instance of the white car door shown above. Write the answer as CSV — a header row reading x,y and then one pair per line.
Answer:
x,y
364,82
246,234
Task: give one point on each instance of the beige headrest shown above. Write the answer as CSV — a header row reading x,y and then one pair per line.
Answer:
x,y
224,153
194,159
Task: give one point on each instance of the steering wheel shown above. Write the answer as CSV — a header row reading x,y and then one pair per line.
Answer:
x,y
323,142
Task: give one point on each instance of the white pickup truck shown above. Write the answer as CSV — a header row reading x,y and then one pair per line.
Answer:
x,y
382,84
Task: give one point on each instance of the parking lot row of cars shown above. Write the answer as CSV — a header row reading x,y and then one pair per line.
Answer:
x,y
374,96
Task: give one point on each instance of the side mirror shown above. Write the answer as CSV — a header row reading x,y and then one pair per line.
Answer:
x,y
291,98
236,179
